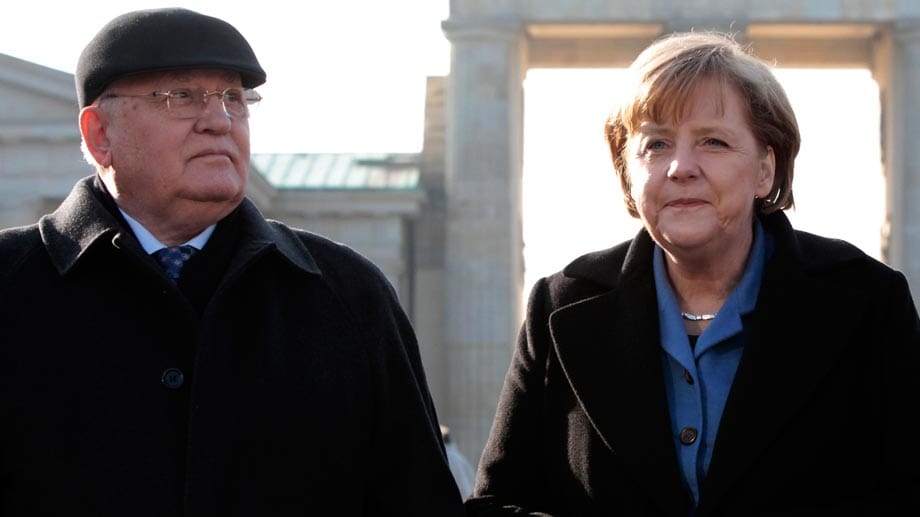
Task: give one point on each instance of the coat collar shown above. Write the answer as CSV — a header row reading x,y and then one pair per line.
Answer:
x,y
87,219
608,345
259,235
79,223
609,267
795,249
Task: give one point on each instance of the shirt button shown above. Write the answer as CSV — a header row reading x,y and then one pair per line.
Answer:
x,y
688,377
688,435
172,378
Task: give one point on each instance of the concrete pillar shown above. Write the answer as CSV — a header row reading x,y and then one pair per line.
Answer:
x,y
427,242
898,77
483,260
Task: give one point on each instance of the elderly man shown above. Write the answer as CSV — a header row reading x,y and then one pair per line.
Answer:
x,y
168,351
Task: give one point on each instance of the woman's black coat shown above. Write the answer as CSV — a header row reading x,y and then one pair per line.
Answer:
x,y
822,417
303,390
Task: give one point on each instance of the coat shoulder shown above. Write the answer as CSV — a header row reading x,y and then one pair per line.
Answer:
x,y
339,263
827,249
828,255
16,246
587,276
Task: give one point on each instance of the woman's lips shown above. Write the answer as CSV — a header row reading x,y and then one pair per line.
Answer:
x,y
686,203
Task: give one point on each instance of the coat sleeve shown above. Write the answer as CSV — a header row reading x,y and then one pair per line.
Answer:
x,y
408,472
895,489
898,492
512,479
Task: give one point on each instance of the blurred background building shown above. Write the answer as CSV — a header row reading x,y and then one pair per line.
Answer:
x,y
445,224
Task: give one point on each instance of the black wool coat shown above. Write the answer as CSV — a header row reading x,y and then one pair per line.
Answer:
x,y
302,390
821,419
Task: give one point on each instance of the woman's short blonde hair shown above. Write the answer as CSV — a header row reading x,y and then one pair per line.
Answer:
x,y
664,77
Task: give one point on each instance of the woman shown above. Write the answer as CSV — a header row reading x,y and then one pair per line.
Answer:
x,y
720,363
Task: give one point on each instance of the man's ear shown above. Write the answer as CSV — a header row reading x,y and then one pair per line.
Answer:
x,y
93,131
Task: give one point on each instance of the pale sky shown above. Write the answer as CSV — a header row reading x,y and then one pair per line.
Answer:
x,y
343,75
349,76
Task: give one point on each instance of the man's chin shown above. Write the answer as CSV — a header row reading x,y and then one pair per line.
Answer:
x,y
225,189
211,205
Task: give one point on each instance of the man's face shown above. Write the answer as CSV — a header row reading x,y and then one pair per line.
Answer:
x,y
169,172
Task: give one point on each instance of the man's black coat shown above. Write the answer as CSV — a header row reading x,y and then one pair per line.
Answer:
x,y
302,391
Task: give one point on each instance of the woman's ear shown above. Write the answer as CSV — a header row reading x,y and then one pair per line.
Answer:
x,y
93,131
766,174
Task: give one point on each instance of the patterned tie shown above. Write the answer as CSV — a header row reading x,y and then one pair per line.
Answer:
x,y
173,258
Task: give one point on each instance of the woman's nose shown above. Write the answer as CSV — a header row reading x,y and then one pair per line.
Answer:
x,y
684,163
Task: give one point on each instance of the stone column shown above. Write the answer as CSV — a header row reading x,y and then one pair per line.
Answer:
x,y
484,249
898,74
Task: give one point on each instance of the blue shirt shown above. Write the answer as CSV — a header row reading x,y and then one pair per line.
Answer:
x,y
697,380
151,244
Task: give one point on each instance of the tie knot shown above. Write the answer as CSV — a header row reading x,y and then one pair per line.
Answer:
x,y
173,258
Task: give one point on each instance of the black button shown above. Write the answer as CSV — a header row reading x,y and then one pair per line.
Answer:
x,y
172,378
688,377
687,435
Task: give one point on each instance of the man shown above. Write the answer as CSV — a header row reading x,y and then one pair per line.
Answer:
x,y
274,374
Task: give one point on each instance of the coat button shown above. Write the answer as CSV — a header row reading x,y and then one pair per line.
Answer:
x,y
688,435
688,377
172,378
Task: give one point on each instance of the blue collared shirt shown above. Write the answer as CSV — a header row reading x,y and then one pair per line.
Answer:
x,y
151,244
698,379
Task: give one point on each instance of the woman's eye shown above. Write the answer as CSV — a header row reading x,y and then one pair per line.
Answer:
x,y
716,142
656,145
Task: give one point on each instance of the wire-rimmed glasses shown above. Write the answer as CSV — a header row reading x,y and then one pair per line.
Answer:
x,y
191,102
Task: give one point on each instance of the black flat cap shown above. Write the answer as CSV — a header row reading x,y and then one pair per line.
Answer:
x,y
152,40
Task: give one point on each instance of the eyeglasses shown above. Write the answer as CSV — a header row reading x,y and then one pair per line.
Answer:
x,y
191,102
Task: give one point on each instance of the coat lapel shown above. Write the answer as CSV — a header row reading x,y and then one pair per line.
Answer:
x,y
608,348
779,369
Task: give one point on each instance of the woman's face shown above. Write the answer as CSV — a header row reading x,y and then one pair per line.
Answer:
x,y
695,180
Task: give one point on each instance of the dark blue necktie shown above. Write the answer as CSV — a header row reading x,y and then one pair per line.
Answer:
x,y
173,258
